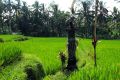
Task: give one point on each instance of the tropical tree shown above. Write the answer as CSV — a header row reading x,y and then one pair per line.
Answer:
x,y
88,17
24,20
94,32
102,28
9,7
114,24
1,16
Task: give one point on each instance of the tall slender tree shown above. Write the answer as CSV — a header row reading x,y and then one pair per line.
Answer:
x,y
94,32
1,17
88,17
10,16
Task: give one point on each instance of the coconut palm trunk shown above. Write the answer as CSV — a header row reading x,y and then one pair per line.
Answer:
x,y
71,48
71,42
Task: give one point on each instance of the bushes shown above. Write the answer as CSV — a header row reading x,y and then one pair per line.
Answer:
x,y
1,40
10,38
34,72
21,38
9,54
33,68
30,67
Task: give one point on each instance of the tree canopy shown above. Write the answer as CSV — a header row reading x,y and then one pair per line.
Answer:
x,y
39,20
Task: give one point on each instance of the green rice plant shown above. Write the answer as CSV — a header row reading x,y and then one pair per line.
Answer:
x,y
99,73
8,38
47,52
25,69
9,54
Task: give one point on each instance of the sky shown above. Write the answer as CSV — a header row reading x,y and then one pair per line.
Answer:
x,y
66,4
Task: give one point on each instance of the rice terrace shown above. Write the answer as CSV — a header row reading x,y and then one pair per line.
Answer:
x,y
42,41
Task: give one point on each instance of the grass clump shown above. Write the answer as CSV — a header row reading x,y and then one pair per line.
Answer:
x,y
21,38
28,68
35,71
8,38
1,40
32,67
9,54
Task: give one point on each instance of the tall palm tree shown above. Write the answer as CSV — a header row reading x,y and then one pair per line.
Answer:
x,y
24,19
102,21
88,17
9,6
54,19
1,20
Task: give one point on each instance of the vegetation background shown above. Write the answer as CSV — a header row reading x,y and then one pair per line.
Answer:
x,y
39,20
31,38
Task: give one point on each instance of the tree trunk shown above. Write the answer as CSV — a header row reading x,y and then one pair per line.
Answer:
x,y
94,33
71,48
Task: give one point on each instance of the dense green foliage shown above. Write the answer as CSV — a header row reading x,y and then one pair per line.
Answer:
x,y
46,51
39,20
14,64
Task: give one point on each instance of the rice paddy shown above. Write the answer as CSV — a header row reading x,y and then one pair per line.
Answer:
x,y
46,52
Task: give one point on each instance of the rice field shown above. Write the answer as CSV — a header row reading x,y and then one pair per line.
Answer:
x,y
46,52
